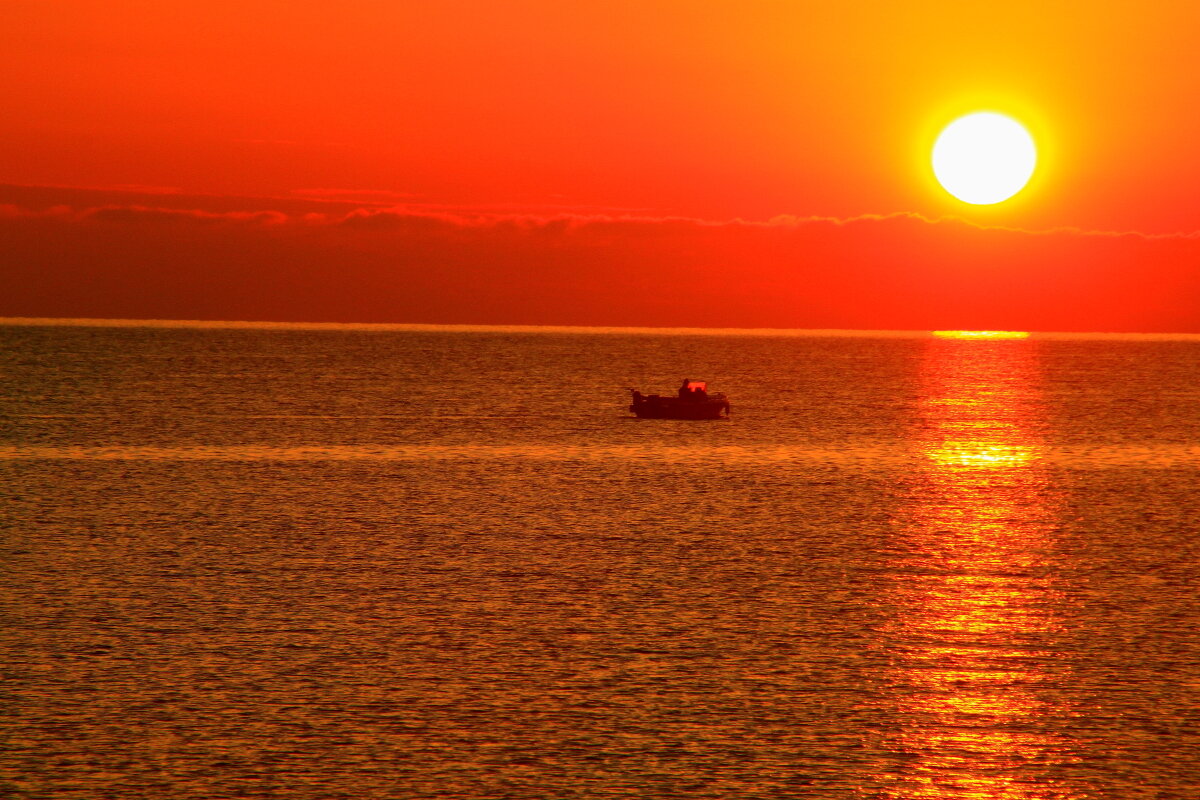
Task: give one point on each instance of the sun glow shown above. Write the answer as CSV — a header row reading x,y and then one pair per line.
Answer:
x,y
984,158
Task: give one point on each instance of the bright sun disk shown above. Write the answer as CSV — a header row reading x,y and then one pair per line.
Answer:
x,y
984,158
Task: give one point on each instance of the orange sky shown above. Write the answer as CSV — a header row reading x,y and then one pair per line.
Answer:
x,y
551,110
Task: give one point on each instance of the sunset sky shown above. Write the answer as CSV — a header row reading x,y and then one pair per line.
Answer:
x,y
751,164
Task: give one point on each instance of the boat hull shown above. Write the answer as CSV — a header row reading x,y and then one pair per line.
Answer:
x,y
654,407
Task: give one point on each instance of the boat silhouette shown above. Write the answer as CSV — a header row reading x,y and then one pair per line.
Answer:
x,y
692,401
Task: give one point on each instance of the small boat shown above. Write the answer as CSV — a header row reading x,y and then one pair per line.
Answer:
x,y
692,401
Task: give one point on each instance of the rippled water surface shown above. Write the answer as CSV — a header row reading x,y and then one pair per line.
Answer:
x,y
351,564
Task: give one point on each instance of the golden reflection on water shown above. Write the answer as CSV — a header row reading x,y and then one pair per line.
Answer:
x,y
971,643
981,334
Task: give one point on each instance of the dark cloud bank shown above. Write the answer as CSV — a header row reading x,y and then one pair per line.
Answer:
x,y
371,265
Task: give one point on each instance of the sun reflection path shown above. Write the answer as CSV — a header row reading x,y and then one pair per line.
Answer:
x,y
975,620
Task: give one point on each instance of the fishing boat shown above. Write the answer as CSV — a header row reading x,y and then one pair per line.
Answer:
x,y
692,401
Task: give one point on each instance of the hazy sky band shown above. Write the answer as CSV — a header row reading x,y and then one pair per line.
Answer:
x,y
129,259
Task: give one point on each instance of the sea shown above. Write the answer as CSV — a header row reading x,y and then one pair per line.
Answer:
x,y
256,561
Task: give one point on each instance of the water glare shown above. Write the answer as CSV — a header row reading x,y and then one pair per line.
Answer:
x,y
973,643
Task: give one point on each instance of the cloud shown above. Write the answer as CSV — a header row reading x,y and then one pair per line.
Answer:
x,y
379,264
133,215
381,209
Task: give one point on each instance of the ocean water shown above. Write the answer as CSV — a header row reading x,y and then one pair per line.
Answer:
x,y
278,563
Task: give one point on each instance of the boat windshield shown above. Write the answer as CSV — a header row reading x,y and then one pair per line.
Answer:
x,y
697,386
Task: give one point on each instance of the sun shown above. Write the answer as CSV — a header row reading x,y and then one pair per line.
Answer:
x,y
984,158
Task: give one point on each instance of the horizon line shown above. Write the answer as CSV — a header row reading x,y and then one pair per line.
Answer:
x,y
638,330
